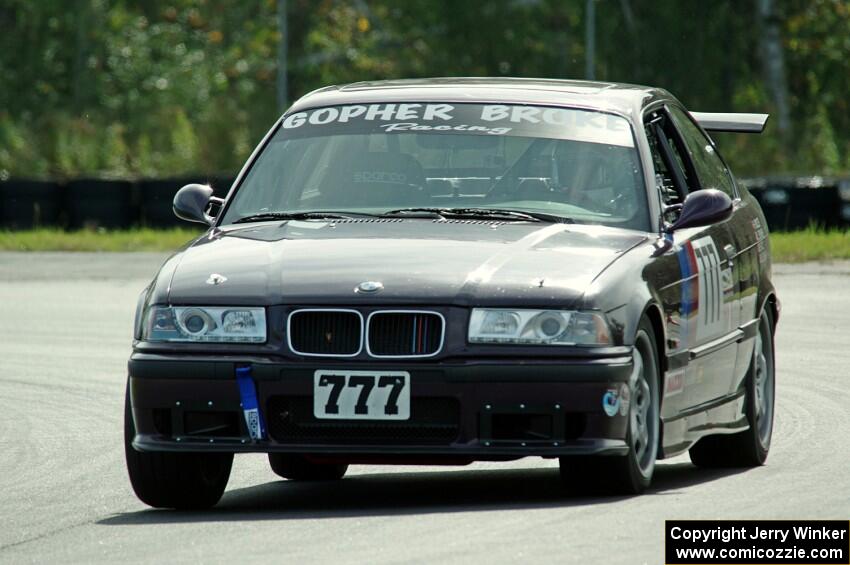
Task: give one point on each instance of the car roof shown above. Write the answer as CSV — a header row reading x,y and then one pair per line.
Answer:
x,y
625,99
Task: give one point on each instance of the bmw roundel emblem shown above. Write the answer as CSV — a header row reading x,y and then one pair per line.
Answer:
x,y
369,286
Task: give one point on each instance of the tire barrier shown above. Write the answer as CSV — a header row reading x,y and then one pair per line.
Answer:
x,y
155,198
794,203
789,203
26,204
96,203
99,203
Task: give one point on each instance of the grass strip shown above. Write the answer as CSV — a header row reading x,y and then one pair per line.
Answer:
x,y
139,239
812,244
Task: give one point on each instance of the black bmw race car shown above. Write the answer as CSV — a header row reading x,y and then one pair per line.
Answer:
x,y
458,270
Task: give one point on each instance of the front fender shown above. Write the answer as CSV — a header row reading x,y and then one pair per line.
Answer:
x,y
625,291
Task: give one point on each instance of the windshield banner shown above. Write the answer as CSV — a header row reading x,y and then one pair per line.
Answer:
x,y
475,119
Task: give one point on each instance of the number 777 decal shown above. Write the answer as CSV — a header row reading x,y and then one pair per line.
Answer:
x,y
361,395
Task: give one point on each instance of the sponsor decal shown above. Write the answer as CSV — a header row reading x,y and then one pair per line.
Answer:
x,y
480,119
727,281
689,300
703,287
709,284
380,177
372,112
414,126
674,382
761,236
611,402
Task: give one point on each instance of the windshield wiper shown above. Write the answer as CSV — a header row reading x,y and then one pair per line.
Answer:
x,y
314,215
493,213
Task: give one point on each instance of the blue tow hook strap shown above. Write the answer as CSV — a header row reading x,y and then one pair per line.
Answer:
x,y
250,407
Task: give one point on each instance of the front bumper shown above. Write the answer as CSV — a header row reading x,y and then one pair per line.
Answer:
x,y
481,409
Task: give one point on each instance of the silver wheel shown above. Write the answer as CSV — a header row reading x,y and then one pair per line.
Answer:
x,y
764,387
643,414
640,401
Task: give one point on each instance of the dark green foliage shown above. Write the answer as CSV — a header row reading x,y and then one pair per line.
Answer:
x,y
163,87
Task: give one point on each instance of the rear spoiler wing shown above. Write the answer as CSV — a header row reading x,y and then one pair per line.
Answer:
x,y
723,121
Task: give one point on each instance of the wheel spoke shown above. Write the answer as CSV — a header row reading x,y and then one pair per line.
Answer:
x,y
646,396
640,450
634,424
759,369
763,381
640,411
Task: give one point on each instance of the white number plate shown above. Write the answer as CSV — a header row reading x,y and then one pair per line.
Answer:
x,y
361,395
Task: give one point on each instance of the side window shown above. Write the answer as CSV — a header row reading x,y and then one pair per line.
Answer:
x,y
664,177
676,150
710,168
673,170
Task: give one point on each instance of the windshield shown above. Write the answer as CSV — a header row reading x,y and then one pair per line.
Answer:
x,y
578,165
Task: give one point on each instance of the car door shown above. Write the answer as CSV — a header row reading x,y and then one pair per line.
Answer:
x,y
706,314
745,224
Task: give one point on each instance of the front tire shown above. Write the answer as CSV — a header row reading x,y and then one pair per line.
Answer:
x,y
300,468
632,473
185,481
748,448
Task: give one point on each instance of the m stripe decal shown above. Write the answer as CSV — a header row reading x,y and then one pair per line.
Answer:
x,y
701,303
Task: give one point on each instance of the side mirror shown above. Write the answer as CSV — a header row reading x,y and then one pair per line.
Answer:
x,y
703,208
191,202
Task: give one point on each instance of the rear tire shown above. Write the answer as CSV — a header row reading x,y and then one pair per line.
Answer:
x,y
299,468
749,448
186,481
631,473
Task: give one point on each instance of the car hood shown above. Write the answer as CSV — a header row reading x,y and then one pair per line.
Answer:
x,y
418,261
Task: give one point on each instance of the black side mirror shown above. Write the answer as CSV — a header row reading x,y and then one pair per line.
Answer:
x,y
191,202
703,208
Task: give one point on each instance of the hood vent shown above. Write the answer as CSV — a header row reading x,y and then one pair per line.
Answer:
x,y
368,221
469,222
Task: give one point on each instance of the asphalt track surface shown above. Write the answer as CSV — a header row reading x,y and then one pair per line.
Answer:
x,y
64,495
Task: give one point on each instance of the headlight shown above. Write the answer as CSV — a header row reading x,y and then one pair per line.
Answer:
x,y
538,327
208,324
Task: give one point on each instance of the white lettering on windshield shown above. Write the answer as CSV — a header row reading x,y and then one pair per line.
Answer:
x,y
413,126
528,120
434,111
578,124
384,112
372,112
324,116
348,112
295,120
407,111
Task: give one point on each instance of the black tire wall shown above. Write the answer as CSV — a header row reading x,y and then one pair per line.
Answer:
x,y
100,203
25,204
